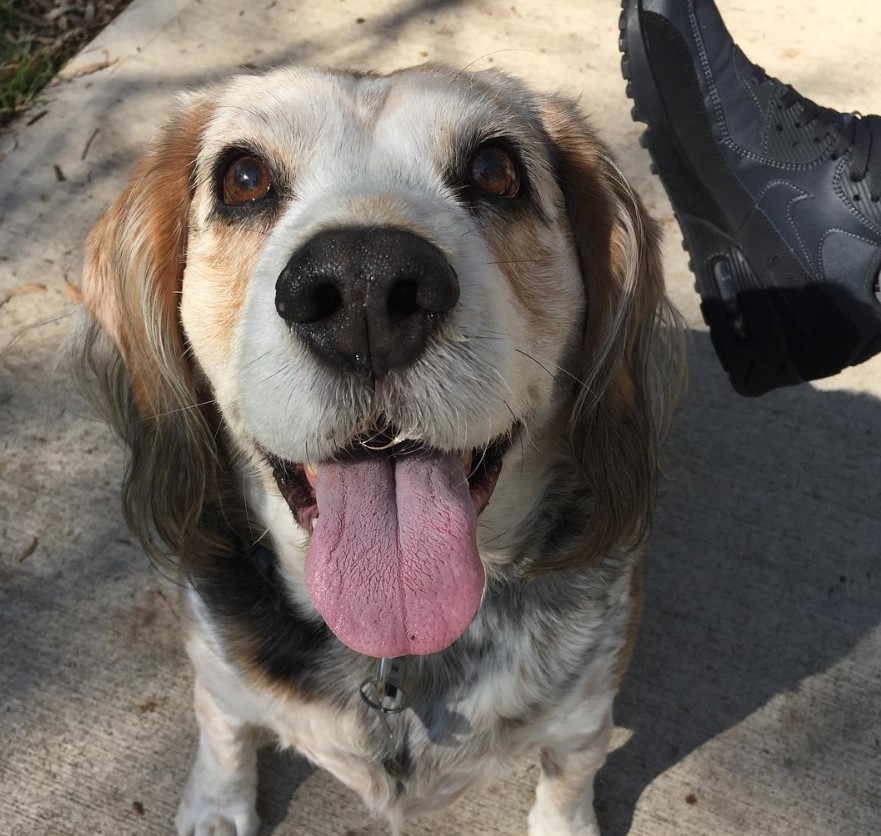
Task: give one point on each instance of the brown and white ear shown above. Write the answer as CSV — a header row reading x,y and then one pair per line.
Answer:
x,y
132,356
135,257
631,372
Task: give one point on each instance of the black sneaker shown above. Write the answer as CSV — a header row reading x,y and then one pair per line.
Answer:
x,y
779,199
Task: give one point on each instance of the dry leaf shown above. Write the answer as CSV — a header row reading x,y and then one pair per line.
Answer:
x,y
88,69
89,143
26,550
29,287
71,291
22,290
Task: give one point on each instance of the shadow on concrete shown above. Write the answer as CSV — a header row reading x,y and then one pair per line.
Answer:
x,y
763,572
281,773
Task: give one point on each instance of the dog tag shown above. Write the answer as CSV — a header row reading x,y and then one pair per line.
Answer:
x,y
384,691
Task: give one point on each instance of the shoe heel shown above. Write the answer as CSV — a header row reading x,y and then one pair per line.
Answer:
x,y
743,319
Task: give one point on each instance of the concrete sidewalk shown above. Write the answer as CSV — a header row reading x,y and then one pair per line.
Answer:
x,y
754,702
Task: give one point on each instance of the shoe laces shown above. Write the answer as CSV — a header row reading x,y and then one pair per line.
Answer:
x,y
861,135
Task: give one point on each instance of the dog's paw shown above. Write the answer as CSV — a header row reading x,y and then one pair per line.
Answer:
x,y
211,817
545,821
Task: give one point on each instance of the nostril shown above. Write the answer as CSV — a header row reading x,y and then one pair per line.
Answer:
x,y
403,301
312,303
440,293
325,302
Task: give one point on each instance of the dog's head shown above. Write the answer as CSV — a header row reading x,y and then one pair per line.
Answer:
x,y
383,298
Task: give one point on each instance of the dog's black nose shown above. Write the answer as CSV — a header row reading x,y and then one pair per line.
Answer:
x,y
366,299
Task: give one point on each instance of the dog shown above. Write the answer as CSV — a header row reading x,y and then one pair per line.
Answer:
x,y
392,359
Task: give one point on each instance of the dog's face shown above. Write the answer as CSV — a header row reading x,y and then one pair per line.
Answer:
x,y
380,283
368,253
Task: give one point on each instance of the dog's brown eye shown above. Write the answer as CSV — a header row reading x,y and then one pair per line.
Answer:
x,y
245,180
493,170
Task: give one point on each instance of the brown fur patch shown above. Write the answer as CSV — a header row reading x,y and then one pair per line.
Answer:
x,y
519,252
135,255
594,194
613,423
218,272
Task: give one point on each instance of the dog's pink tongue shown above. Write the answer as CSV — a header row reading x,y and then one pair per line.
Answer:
x,y
393,565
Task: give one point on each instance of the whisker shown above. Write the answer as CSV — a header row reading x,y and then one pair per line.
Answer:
x,y
488,54
516,261
500,376
498,536
278,371
176,411
245,503
265,532
470,231
577,379
519,435
256,359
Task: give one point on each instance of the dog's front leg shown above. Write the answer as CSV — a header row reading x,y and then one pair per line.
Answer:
x,y
564,795
222,789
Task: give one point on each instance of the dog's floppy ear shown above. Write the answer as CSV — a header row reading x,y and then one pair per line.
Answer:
x,y
135,257
631,369
132,350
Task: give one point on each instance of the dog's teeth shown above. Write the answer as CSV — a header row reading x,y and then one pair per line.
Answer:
x,y
466,460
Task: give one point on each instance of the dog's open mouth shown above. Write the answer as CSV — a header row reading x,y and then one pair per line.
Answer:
x,y
480,468
392,564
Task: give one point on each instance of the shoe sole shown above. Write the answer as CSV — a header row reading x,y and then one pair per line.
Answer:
x,y
753,355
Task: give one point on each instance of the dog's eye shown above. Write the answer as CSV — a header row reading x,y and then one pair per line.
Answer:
x,y
245,180
494,171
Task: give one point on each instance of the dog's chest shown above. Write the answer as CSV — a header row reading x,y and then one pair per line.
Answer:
x,y
536,667
424,757
507,691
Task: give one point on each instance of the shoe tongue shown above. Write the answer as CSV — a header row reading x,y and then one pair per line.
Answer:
x,y
393,566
